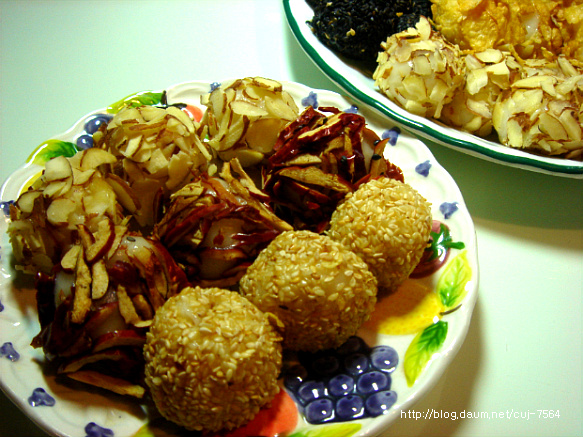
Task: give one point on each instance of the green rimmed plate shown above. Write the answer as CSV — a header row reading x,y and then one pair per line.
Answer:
x,y
358,82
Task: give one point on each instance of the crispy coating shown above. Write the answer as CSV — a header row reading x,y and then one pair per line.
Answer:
x,y
321,291
534,28
387,223
212,359
419,70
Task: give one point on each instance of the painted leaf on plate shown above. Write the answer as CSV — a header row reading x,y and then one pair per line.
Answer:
x,y
51,149
442,241
136,100
144,431
451,287
340,430
422,348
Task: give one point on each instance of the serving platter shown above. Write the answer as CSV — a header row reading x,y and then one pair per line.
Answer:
x,y
423,340
356,80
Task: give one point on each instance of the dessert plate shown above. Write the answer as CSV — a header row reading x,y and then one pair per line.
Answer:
x,y
415,349
357,81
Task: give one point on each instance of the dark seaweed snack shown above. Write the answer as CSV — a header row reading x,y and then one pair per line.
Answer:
x,y
356,28
316,4
417,7
353,28
406,21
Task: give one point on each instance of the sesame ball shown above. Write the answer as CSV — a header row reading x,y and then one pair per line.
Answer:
x,y
387,223
319,290
212,359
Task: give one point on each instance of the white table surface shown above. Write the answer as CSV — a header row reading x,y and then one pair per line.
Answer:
x,y
62,59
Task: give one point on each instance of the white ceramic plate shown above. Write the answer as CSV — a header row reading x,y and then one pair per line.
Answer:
x,y
75,408
358,82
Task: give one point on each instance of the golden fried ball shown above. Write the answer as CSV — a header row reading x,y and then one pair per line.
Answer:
x,y
320,290
212,359
387,223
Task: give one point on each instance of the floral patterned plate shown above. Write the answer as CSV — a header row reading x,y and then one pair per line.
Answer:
x,y
357,81
357,390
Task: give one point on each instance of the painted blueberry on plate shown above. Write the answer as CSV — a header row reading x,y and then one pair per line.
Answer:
x,y
347,383
94,430
311,100
448,208
40,398
84,142
392,134
319,411
5,207
423,168
93,124
380,402
8,351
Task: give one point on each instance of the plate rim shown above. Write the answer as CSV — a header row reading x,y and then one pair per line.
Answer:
x,y
448,351
424,127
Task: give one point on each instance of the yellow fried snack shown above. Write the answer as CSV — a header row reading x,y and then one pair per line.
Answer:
x,y
532,28
572,30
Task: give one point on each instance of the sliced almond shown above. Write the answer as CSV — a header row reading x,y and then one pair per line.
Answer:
x,y
57,169
278,108
57,188
69,260
100,279
133,147
535,82
99,200
82,177
120,232
143,308
241,107
58,176
234,134
182,117
178,170
94,157
126,306
85,236
490,56
269,84
59,211
27,200
125,194
103,240
152,113
82,295
552,127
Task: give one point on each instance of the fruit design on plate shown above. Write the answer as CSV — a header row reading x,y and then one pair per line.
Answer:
x,y
166,199
417,309
347,383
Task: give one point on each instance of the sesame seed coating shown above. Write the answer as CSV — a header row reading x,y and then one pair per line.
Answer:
x,y
320,291
212,359
387,223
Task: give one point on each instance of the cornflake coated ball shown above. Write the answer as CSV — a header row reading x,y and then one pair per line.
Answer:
x,y
212,359
320,290
387,223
